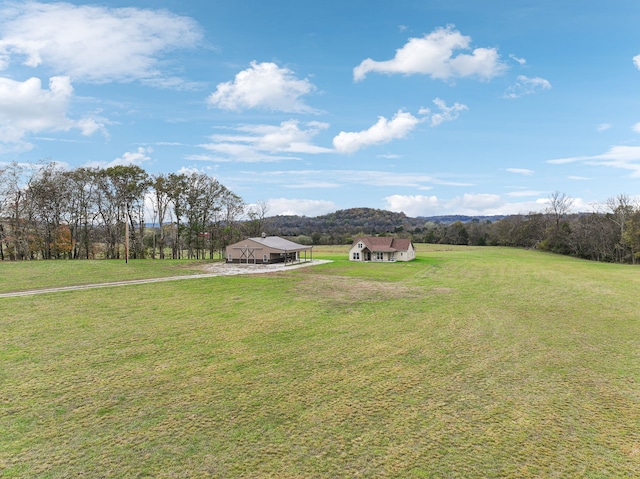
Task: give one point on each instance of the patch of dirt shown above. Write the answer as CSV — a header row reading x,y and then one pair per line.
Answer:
x,y
223,269
348,289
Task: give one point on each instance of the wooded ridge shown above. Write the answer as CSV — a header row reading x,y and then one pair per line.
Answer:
x,y
88,213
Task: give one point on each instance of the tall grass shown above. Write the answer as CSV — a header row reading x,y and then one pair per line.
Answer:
x,y
468,362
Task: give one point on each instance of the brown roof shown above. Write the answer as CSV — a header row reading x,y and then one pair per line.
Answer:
x,y
385,244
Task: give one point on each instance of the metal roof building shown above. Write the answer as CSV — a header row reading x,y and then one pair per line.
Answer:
x,y
268,250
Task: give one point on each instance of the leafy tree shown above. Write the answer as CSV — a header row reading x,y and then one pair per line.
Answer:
x,y
176,188
631,235
225,226
13,199
48,193
202,201
130,183
621,209
256,213
82,209
161,204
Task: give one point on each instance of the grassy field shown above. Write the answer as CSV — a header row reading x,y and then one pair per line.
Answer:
x,y
468,362
32,275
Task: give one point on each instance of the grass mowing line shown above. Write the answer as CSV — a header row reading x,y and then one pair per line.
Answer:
x,y
220,272
103,285
465,363
31,275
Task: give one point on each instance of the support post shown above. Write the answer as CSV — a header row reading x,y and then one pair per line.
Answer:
x,y
126,241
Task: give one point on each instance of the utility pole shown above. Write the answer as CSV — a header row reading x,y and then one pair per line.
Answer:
x,y
126,240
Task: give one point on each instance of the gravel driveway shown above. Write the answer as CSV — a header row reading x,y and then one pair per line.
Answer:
x,y
214,269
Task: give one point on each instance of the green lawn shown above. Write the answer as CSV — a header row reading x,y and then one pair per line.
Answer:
x,y
28,275
468,362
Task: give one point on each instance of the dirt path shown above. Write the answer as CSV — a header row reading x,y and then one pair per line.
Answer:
x,y
216,269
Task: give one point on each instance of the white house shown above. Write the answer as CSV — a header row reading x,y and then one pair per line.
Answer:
x,y
374,248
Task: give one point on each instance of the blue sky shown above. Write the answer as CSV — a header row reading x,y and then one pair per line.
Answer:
x,y
427,107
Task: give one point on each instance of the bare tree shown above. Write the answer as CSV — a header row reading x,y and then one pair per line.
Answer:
x,y
559,206
621,209
256,214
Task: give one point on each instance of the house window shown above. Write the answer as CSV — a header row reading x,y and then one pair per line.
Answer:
x,y
380,256
229,257
356,255
265,258
360,245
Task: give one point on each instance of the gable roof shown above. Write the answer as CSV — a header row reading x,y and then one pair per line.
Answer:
x,y
385,244
275,242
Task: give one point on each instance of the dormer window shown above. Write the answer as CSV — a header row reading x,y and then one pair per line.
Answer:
x,y
360,245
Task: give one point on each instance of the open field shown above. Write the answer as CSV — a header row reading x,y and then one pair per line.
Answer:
x,y
30,275
468,362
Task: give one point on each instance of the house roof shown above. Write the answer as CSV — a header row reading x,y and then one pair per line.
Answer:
x,y
275,242
384,244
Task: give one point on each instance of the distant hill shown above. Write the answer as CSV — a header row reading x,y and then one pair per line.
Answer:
x,y
448,219
353,221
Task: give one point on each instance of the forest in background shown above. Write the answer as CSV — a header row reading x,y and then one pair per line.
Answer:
x,y
52,213
610,233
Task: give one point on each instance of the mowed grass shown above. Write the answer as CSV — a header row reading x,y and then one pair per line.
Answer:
x,y
468,362
33,275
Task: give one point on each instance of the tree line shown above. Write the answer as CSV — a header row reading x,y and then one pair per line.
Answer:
x,y
609,233
49,213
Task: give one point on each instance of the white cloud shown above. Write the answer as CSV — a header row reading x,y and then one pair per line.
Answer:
x,y
129,158
264,86
25,107
603,127
564,161
521,61
185,170
253,143
622,157
383,131
92,43
636,128
433,55
446,113
301,207
414,205
520,171
467,204
341,178
478,202
524,193
636,61
398,127
527,86
133,158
